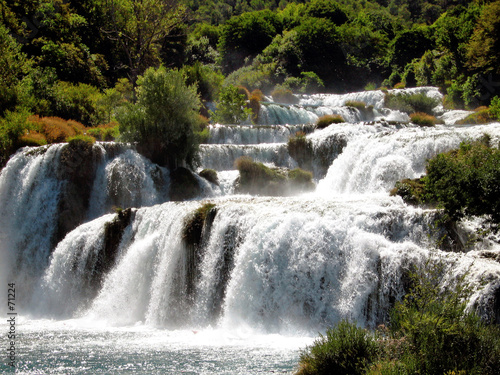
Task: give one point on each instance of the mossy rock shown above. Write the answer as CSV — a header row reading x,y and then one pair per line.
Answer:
x,y
183,185
210,175
258,179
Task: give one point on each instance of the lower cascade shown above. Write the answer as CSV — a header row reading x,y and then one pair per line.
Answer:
x,y
102,255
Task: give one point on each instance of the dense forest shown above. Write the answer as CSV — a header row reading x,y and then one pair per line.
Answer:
x,y
82,60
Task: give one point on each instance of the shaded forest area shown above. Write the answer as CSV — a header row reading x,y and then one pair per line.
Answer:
x,y
81,60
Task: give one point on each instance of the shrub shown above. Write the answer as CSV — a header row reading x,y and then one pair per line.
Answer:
x,y
300,148
412,191
105,132
301,179
495,108
254,105
32,138
481,115
78,102
345,349
356,104
410,103
56,129
307,83
210,175
12,126
327,120
465,181
440,335
371,86
207,80
256,178
80,138
230,108
162,119
423,119
283,95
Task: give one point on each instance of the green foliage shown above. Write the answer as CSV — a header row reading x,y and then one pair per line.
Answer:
x,y
301,179
300,149
78,102
258,76
345,350
162,119
356,104
431,332
245,36
256,178
412,191
281,94
410,103
12,126
13,66
80,138
193,226
485,42
465,181
326,9
481,115
495,107
409,45
439,334
307,83
423,119
140,30
230,107
327,120
207,80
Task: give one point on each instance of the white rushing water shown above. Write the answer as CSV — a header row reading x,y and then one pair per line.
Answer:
x,y
128,292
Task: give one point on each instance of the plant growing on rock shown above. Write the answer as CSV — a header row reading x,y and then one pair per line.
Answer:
x,y
327,120
423,119
300,148
163,118
230,107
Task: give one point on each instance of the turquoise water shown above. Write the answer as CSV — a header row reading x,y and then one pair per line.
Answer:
x,y
73,347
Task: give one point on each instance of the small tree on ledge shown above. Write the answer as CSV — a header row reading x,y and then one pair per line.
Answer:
x,y
162,119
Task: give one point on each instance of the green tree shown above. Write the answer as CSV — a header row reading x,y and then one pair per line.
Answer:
x,y
246,36
163,118
14,66
230,108
482,51
140,29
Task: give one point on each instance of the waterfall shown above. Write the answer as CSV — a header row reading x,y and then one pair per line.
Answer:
x,y
276,265
288,266
222,157
378,156
248,134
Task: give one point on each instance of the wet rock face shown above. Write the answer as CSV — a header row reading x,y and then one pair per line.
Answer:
x,y
183,185
77,168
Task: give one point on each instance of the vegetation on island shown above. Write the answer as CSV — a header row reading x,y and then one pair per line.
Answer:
x,y
463,182
431,331
258,179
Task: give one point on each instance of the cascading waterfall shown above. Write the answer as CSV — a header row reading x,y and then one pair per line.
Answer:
x,y
222,157
248,134
260,266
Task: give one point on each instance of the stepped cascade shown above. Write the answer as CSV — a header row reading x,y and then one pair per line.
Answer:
x,y
101,245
